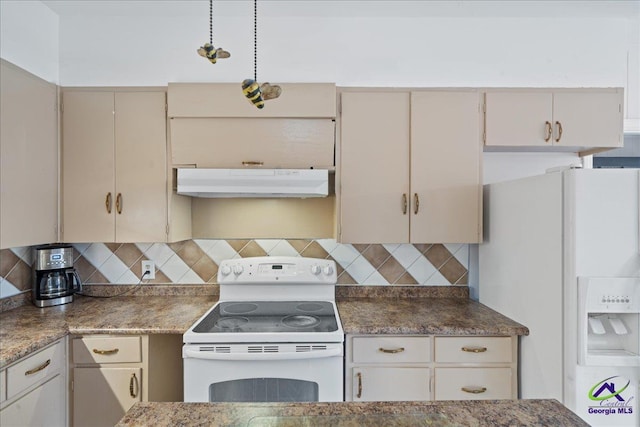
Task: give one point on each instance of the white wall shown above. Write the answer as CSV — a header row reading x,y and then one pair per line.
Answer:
x,y
29,37
537,49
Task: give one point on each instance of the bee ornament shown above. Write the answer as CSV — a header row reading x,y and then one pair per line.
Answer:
x,y
257,93
211,53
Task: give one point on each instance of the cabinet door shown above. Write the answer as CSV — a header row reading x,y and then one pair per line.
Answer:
x,y
271,143
88,160
588,118
445,167
140,167
28,159
101,396
43,406
374,167
518,118
390,384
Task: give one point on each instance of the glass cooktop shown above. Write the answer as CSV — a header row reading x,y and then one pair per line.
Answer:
x,y
269,316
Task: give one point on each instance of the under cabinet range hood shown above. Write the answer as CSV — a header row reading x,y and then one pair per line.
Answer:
x,y
256,183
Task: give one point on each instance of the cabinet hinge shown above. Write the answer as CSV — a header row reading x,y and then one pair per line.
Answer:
x,y
167,230
166,107
71,385
484,137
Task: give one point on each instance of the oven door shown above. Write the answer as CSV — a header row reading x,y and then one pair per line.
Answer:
x,y
263,372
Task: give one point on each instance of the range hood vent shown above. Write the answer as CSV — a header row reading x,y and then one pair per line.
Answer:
x,y
256,183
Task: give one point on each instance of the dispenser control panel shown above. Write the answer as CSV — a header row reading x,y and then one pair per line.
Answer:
x,y
607,295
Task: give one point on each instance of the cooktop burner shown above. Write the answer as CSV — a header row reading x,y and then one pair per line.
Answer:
x,y
269,316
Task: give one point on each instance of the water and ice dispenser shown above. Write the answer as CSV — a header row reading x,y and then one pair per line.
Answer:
x,y
608,368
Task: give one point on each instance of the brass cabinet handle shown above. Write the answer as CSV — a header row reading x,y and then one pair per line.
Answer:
x,y
107,352
39,368
559,125
391,350
134,379
119,203
416,203
107,202
474,390
474,349
252,163
549,130
404,204
359,375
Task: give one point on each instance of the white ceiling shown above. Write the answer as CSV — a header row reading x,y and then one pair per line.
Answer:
x,y
350,8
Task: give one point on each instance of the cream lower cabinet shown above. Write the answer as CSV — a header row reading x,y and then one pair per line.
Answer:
x,y
34,389
409,167
579,118
114,167
407,367
109,374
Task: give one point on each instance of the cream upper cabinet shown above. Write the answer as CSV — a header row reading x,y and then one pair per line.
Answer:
x,y
410,167
214,125
374,167
446,178
114,170
580,119
28,158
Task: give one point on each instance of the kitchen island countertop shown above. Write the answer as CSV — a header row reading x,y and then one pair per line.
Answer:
x,y
27,328
542,412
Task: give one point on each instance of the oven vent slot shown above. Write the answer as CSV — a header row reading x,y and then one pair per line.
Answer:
x,y
306,348
263,349
216,349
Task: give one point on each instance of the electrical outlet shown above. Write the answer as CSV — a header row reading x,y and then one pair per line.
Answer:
x,y
150,267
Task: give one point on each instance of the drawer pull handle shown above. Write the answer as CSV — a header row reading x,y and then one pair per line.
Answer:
x,y
107,202
39,368
549,130
404,204
359,375
252,163
474,390
474,349
391,350
106,352
132,392
416,203
559,125
119,203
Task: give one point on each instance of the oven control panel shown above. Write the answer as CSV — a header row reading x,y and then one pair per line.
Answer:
x,y
277,269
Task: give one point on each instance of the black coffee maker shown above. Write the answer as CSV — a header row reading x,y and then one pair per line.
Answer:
x,y
55,279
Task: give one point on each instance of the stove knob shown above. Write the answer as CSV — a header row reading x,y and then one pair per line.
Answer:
x,y
225,270
237,269
328,270
315,269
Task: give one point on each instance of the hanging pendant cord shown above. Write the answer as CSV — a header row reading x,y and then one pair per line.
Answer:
x,y
211,22
255,40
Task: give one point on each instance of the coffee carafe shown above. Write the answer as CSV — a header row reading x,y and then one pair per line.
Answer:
x,y
55,280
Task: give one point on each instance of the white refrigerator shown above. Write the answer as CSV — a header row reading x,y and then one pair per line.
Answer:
x,y
543,233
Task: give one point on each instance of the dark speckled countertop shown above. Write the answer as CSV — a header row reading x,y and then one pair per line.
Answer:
x,y
544,412
406,310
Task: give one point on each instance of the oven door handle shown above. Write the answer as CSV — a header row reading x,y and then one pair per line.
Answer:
x,y
315,354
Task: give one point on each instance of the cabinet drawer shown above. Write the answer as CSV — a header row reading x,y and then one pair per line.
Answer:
x,y
107,350
473,349
397,349
390,384
35,368
473,383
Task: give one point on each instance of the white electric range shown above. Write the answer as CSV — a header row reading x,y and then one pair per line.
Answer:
x,y
274,336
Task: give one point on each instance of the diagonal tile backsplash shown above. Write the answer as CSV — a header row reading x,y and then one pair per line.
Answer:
x,y
196,261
